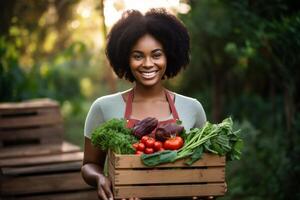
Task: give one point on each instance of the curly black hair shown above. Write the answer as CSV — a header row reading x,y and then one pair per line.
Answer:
x,y
163,26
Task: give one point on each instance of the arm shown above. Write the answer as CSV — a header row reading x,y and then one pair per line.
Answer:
x,y
92,170
94,158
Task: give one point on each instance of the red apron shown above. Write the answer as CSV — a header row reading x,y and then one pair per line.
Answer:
x,y
132,122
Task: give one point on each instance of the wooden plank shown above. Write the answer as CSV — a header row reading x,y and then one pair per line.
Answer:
x,y
111,173
56,131
46,116
39,160
44,184
25,105
74,195
134,161
38,150
159,176
42,169
213,189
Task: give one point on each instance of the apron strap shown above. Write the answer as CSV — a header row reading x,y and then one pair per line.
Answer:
x,y
128,107
172,106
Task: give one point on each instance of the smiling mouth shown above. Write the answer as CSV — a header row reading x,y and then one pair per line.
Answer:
x,y
149,75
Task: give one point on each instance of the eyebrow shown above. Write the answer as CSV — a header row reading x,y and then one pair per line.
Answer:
x,y
153,51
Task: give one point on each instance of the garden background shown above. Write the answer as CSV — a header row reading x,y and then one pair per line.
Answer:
x,y
245,63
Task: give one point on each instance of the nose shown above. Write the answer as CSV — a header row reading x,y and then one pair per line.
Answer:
x,y
148,62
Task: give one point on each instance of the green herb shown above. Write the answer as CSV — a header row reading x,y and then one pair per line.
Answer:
x,y
114,135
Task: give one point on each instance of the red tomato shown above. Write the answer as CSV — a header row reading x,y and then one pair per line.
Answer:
x,y
173,143
141,147
138,152
150,142
157,145
144,139
181,142
149,150
161,149
135,145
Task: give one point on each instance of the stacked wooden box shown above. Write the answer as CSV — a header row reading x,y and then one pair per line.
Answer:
x,y
35,161
130,178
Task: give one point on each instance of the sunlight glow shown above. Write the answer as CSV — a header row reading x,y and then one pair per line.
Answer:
x,y
84,9
75,24
113,9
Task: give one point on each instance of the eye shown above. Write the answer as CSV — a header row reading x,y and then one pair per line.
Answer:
x,y
157,55
137,56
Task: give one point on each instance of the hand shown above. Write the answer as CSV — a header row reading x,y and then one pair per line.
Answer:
x,y
104,188
209,197
203,198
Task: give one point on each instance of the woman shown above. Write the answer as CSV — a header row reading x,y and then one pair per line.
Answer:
x,y
144,49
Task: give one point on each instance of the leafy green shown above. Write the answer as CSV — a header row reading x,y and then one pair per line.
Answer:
x,y
159,157
196,155
114,135
213,138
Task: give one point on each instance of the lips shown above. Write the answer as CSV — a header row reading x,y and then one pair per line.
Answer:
x,y
149,75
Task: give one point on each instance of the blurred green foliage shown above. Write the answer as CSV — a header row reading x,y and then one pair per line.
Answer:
x,y
245,60
247,66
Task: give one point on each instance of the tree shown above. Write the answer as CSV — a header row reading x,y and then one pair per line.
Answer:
x,y
247,54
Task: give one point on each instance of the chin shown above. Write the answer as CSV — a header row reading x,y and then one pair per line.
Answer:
x,y
149,83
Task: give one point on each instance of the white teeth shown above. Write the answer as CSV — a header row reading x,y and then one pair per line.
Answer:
x,y
148,74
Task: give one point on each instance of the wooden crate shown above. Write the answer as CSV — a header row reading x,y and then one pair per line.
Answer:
x,y
45,173
131,178
31,122
35,162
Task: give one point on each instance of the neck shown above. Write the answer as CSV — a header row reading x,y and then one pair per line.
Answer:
x,y
149,93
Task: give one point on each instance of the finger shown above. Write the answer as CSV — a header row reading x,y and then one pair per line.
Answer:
x,y
194,198
137,198
101,194
108,192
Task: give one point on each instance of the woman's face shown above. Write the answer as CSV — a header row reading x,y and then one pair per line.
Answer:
x,y
147,61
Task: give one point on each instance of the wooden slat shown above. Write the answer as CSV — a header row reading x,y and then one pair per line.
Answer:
x,y
44,183
159,176
213,189
55,131
134,161
13,107
74,195
111,173
38,150
39,160
42,169
45,116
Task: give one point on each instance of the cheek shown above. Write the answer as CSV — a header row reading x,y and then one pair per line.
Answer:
x,y
162,63
134,64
